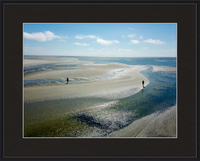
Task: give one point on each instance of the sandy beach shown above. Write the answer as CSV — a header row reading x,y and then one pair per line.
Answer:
x,y
130,79
154,125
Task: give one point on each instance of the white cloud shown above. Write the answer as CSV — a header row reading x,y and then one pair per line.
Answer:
x,y
85,36
98,40
141,37
82,44
135,42
78,37
104,42
130,28
116,41
154,41
132,35
62,38
40,36
123,36
91,36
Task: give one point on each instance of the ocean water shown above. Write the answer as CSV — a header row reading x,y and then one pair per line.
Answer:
x,y
160,61
97,117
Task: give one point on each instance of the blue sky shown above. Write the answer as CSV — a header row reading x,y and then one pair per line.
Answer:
x,y
101,39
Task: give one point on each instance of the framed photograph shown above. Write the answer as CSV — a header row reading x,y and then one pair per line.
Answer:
x,y
93,87
100,80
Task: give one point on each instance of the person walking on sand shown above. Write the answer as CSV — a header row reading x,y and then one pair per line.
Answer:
x,y
143,83
67,80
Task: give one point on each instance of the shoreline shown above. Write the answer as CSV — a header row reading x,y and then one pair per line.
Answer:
x,y
154,125
112,81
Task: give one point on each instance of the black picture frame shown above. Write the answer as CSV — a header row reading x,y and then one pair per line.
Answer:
x,y
15,14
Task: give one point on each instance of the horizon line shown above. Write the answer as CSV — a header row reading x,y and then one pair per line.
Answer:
x,y
109,56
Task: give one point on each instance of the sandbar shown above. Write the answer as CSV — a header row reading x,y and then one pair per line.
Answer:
x,y
122,85
159,68
32,62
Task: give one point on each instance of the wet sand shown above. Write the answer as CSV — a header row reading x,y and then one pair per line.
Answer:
x,y
159,68
154,125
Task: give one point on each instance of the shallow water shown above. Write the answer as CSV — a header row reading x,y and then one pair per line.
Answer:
x,y
97,117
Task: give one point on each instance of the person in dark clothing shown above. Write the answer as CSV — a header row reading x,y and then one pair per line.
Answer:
x,y
143,83
67,80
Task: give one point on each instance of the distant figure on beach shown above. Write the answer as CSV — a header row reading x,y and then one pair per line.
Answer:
x,y
143,83
67,80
